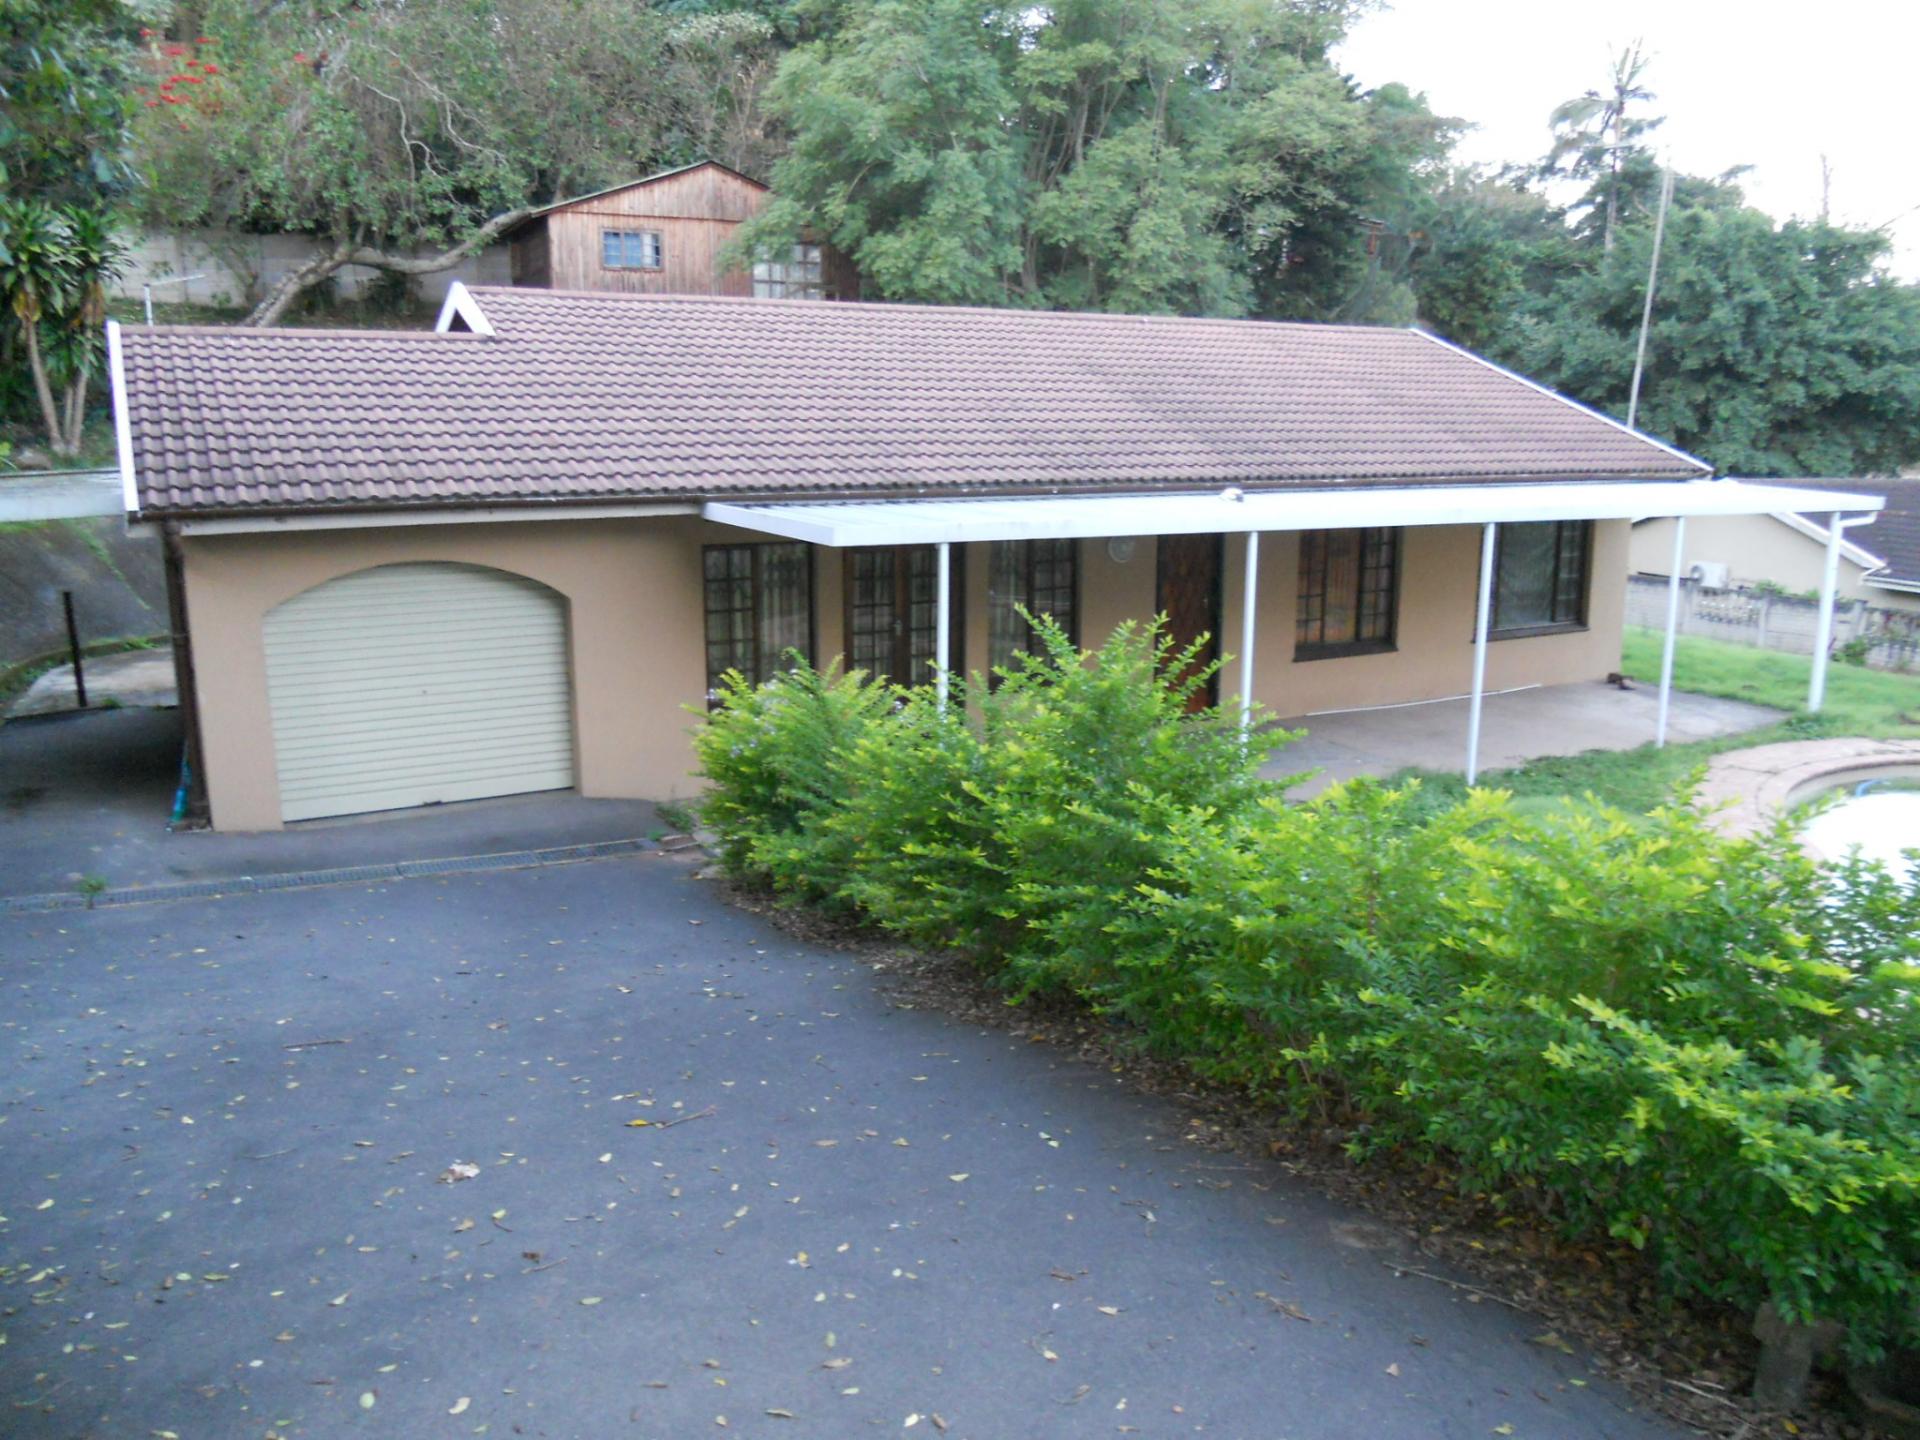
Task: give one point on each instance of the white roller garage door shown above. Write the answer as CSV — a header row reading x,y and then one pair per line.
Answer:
x,y
410,684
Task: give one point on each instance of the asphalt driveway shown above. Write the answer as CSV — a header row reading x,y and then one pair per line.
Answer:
x,y
221,1124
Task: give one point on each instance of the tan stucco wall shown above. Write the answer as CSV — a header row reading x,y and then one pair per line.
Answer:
x,y
1440,566
1754,547
634,592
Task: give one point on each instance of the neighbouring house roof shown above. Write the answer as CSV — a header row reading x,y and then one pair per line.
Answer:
x,y
626,185
597,397
1893,537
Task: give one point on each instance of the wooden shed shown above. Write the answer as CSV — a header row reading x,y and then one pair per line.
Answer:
x,y
664,235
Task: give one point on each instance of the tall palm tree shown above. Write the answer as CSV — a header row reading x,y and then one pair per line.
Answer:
x,y
1594,133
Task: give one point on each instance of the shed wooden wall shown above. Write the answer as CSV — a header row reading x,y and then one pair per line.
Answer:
x,y
695,213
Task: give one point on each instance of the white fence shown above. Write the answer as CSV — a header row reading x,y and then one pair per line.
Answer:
x,y
1883,639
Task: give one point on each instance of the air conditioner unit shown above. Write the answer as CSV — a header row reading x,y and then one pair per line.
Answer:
x,y
1711,575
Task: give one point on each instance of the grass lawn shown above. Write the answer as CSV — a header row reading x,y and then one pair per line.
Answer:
x,y
1859,702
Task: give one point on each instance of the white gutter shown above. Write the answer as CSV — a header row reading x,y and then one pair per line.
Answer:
x,y
1237,512
1860,556
122,423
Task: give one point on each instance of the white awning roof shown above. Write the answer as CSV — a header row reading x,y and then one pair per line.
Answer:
x,y
926,522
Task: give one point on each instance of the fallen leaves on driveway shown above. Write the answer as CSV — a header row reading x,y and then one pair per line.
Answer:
x,y
458,1171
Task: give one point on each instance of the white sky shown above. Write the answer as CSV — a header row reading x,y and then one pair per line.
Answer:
x,y
1761,83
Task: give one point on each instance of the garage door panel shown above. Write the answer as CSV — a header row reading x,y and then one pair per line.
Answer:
x,y
420,683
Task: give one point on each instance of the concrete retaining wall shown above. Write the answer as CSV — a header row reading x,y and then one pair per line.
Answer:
x,y
236,269
117,579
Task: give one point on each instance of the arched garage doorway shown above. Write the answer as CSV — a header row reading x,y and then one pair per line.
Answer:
x,y
418,683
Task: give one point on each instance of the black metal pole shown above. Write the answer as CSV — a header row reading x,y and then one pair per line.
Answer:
x,y
73,647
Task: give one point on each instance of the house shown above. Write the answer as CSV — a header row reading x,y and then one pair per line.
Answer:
x,y
517,552
665,234
1879,563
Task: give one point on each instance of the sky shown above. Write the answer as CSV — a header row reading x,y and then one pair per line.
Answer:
x,y
1759,83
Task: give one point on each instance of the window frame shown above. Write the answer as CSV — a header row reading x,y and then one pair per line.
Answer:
x,y
1027,563
1584,591
898,606
1309,650
659,248
757,556
800,275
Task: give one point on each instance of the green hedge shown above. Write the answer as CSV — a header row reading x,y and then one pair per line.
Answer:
x,y
1624,1024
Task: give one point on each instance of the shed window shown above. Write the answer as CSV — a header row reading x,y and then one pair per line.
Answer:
x,y
759,608
1540,577
1349,580
1042,576
630,249
798,277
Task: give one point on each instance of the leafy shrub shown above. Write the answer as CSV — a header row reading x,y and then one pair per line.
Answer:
x,y
776,755
1625,1024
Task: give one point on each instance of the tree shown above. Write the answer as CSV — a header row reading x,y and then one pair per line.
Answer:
x,y
55,263
385,131
1596,137
1094,154
66,77
1776,350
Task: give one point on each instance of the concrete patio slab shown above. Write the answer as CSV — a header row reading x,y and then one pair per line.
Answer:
x,y
130,679
90,793
227,1125
1516,727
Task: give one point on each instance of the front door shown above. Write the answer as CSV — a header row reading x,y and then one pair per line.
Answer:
x,y
891,614
1187,592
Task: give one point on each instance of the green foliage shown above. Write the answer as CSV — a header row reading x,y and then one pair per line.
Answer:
x,y
1775,350
66,77
1624,1025
55,265
403,126
1098,154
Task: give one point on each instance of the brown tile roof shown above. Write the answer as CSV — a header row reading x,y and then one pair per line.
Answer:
x,y
1894,534
595,397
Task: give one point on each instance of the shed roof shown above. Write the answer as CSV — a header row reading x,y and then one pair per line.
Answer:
x,y
625,185
597,397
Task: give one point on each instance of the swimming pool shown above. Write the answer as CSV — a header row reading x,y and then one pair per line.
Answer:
x,y
1881,816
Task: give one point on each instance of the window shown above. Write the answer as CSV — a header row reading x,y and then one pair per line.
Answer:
x,y
630,249
892,614
797,278
1039,574
1349,581
1540,577
759,606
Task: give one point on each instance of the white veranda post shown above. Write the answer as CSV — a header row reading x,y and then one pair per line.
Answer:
x,y
1482,619
1673,627
942,620
1246,632
1823,631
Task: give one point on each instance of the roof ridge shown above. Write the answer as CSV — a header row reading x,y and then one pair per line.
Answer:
x,y
895,307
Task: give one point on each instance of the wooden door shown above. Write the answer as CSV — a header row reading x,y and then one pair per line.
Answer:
x,y
1187,591
891,614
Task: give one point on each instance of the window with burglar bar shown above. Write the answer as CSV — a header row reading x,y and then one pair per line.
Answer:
x,y
759,601
1540,577
1038,574
1349,581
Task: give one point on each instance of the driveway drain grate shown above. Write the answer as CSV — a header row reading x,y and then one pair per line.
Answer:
x,y
312,879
